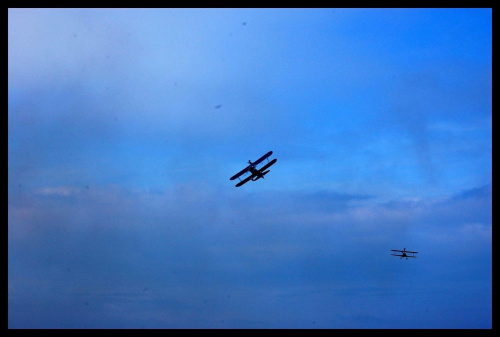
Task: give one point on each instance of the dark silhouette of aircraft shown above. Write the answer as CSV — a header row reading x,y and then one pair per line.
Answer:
x,y
255,174
404,253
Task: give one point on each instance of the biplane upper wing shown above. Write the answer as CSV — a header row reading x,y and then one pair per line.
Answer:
x,y
258,161
268,165
403,251
244,181
401,255
240,173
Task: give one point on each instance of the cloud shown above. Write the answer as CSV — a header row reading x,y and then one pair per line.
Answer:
x,y
63,191
196,241
199,224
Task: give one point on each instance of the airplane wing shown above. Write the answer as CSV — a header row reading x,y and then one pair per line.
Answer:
x,y
268,165
397,254
240,173
244,181
411,256
396,250
411,252
258,161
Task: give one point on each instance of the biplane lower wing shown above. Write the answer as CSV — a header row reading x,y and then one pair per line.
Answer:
x,y
401,255
268,165
244,181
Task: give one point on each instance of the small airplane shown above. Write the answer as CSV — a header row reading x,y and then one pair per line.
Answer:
x,y
255,173
404,253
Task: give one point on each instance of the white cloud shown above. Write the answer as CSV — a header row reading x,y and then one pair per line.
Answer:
x,y
63,191
478,231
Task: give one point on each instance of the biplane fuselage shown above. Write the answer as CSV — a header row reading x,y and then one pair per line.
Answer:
x,y
256,174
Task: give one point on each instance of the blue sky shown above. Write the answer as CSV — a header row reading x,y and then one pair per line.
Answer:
x,y
126,124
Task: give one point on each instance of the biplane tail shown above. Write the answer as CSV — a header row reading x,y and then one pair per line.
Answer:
x,y
263,174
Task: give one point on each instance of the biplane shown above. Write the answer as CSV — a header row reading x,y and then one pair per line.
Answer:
x,y
404,253
251,169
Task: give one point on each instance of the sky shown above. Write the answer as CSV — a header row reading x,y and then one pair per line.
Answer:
x,y
125,125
